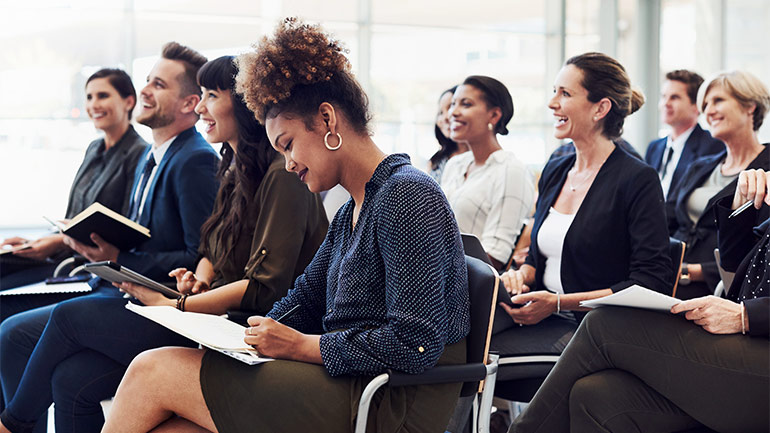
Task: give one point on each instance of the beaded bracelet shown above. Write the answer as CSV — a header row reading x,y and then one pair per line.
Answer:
x,y
180,302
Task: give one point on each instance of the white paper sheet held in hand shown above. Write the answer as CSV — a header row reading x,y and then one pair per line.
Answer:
x,y
635,296
209,330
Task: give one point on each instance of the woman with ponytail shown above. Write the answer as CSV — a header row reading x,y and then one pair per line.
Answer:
x,y
599,221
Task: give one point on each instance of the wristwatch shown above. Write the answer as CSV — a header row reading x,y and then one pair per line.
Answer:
x,y
685,278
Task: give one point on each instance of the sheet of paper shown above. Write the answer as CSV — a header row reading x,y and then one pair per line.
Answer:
x,y
212,331
42,288
635,296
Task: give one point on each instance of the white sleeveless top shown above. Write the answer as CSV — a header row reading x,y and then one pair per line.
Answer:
x,y
550,242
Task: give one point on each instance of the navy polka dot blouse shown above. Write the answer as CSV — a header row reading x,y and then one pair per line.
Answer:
x,y
392,292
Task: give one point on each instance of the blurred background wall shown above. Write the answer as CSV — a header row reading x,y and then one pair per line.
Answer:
x,y
405,52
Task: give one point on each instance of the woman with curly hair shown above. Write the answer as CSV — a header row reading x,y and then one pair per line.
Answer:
x,y
386,290
252,247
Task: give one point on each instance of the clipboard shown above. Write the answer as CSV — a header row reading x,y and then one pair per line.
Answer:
x,y
115,273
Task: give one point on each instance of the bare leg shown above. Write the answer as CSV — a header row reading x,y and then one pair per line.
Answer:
x,y
179,425
160,383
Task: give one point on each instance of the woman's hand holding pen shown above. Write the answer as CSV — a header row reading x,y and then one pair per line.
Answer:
x,y
752,186
187,282
144,295
276,340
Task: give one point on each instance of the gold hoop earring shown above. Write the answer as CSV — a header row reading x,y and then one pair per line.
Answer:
x,y
326,141
490,126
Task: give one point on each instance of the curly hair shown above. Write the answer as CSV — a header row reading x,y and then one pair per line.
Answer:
x,y
239,181
296,70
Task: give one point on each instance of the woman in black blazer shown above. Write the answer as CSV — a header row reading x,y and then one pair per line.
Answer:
x,y
735,105
599,222
643,371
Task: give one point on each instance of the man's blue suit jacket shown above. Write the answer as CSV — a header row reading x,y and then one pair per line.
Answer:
x,y
180,198
700,143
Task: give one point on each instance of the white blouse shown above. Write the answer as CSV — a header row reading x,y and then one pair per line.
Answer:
x,y
492,202
550,241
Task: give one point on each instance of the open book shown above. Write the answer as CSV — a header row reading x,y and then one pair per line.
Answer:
x,y
214,332
110,225
635,296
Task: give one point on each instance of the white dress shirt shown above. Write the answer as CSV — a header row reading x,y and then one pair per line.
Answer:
x,y
157,153
678,146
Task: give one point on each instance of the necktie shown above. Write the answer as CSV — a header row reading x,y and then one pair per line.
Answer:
x,y
666,161
136,204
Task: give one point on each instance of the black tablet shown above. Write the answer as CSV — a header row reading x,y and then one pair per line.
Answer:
x,y
116,273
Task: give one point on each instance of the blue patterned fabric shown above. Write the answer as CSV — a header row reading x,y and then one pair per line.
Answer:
x,y
392,292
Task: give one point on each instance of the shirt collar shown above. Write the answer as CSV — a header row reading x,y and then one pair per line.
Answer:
x,y
386,167
158,152
680,141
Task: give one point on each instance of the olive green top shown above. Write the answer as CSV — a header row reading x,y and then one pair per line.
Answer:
x,y
285,225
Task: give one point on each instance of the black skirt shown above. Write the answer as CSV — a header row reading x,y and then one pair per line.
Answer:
x,y
289,396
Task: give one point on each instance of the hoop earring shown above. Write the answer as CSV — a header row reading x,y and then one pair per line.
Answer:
x,y
326,141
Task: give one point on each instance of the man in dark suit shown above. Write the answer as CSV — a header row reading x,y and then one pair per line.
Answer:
x,y
174,190
671,155
175,181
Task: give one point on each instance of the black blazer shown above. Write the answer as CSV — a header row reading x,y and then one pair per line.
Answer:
x,y
618,237
700,143
738,244
701,237
113,185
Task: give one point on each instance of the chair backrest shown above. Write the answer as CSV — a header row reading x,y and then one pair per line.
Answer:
x,y
482,290
472,246
726,276
676,252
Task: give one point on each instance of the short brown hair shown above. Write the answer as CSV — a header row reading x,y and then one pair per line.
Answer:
x,y
192,61
744,87
690,79
605,77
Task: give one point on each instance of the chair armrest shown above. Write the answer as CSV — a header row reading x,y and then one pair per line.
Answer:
x,y
440,374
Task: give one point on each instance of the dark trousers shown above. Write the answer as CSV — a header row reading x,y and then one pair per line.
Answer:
x,y
75,360
11,305
632,370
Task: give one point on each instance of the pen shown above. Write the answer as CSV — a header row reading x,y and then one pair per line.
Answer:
x,y
742,208
288,314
